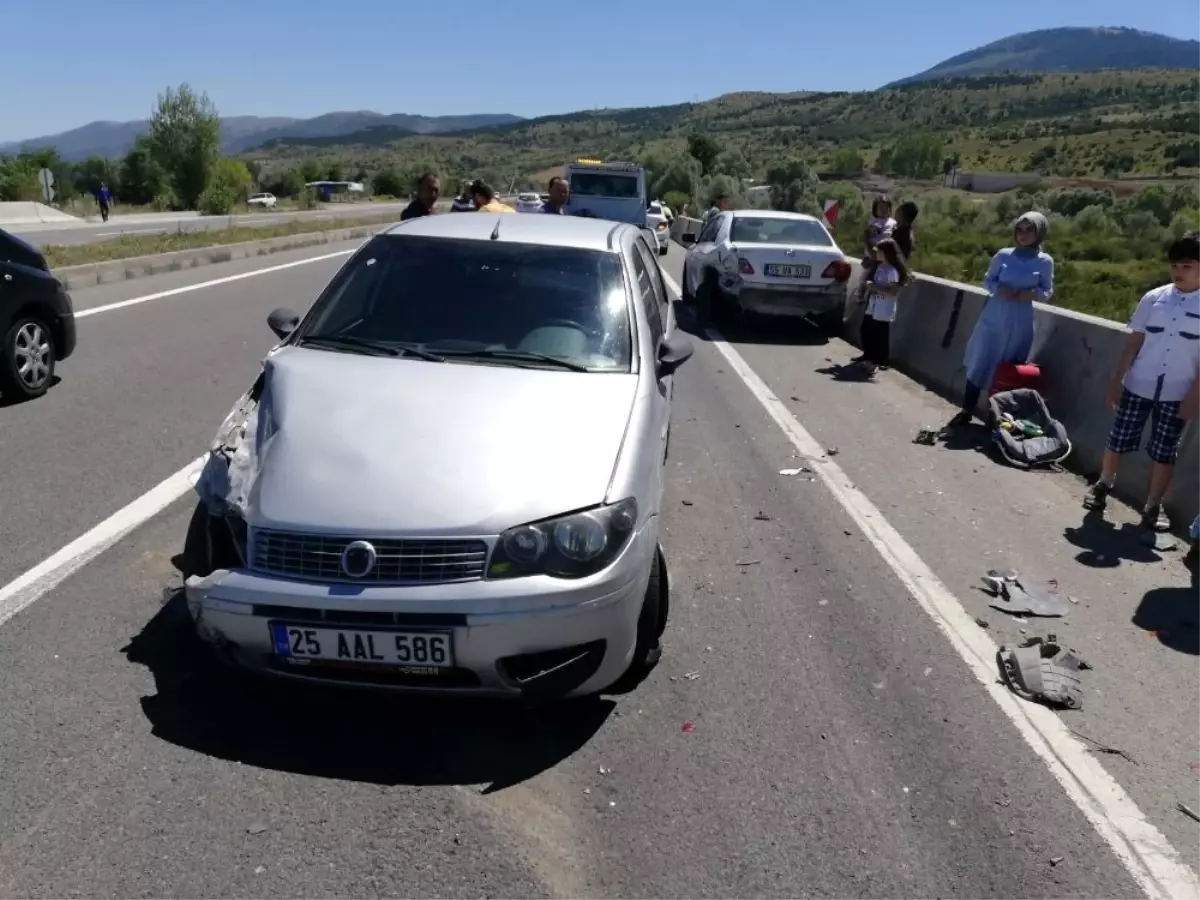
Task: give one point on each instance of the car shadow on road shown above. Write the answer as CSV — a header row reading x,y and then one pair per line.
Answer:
x,y
365,736
750,329
55,381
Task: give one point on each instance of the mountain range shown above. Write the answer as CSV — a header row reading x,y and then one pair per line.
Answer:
x,y
1048,51
1056,50
240,133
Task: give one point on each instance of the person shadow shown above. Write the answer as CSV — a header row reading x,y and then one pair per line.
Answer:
x,y
1173,615
1104,545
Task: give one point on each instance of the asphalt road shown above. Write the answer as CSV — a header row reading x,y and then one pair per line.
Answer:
x,y
93,232
836,743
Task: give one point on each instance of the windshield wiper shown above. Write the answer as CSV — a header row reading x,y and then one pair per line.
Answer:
x,y
518,356
377,348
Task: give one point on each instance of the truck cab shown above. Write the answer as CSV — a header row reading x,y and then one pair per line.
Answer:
x,y
607,190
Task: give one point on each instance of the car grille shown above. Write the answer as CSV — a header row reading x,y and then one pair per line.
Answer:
x,y
317,557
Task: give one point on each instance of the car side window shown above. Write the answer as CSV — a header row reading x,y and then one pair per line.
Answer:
x,y
645,290
661,297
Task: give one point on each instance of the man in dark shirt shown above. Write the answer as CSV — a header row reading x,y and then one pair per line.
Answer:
x,y
429,188
560,193
104,198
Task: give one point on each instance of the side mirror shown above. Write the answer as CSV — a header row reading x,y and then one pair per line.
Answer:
x,y
673,352
283,321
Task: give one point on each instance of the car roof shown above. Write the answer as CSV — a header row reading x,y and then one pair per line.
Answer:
x,y
552,231
774,214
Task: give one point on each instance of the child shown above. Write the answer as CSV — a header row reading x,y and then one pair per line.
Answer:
x,y
902,234
1156,378
890,274
879,228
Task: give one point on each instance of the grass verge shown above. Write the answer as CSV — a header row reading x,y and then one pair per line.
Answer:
x,y
60,255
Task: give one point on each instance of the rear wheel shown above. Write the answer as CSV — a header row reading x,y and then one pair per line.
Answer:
x,y
26,359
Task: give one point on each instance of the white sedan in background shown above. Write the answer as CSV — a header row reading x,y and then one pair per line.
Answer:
x,y
657,221
767,262
529,203
266,201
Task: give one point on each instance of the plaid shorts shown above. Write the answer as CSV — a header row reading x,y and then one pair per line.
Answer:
x,y
1130,421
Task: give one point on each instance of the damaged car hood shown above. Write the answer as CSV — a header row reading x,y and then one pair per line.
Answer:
x,y
348,444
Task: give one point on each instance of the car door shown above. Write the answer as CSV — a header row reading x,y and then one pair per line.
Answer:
x,y
702,253
652,295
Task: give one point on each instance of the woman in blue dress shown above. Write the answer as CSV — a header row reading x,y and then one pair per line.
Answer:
x,y
1017,277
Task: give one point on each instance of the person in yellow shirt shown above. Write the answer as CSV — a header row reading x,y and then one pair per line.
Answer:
x,y
485,198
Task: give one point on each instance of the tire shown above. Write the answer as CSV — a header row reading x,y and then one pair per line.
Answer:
x,y
27,359
663,250
707,300
652,622
208,545
686,297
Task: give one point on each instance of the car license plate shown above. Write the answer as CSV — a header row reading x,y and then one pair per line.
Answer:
x,y
777,270
299,643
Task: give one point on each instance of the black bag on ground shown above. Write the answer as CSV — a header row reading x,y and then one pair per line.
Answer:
x,y
1025,404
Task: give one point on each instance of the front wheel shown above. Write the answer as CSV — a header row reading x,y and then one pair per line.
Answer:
x,y
652,622
26,359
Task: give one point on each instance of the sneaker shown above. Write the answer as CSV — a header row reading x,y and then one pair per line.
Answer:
x,y
1096,496
1155,519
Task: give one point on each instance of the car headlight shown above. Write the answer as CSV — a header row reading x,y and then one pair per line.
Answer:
x,y
571,546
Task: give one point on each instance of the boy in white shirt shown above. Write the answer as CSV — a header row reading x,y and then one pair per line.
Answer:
x,y
1157,377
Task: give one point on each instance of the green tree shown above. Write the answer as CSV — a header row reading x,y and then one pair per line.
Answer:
x,y
95,170
228,186
312,170
335,172
389,183
847,161
185,141
704,149
794,186
141,180
917,156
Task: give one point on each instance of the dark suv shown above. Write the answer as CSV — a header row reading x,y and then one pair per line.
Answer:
x,y
37,321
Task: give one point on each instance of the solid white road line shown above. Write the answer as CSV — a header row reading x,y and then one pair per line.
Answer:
x,y
17,595
134,301
135,231
1143,849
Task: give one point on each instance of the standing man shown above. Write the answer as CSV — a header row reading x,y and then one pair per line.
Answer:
x,y
429,188
463,202
104,198
485,198
719,206
560,193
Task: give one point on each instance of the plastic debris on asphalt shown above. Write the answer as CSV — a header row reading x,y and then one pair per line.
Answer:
x,y
1019,595
1043,671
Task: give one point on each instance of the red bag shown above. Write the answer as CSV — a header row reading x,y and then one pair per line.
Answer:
x,y
1011,376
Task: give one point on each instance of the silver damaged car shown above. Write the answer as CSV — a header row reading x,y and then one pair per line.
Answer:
x,y
448,475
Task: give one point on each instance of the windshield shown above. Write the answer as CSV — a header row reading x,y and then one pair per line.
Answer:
x,y
480,301
765,230
603,184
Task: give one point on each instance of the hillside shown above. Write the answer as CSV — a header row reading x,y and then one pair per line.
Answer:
x,y
238,133
1070,125
1067,50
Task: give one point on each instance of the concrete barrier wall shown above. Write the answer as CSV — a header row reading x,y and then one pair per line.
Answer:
x,y
1076,353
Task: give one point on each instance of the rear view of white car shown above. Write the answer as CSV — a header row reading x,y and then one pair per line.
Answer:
x,y
529,203
766,262
656,221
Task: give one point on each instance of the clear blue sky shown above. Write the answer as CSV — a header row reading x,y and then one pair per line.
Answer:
x,y
77,60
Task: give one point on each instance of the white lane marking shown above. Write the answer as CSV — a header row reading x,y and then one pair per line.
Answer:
x,y
1143,849
29,587
134,231
134,301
